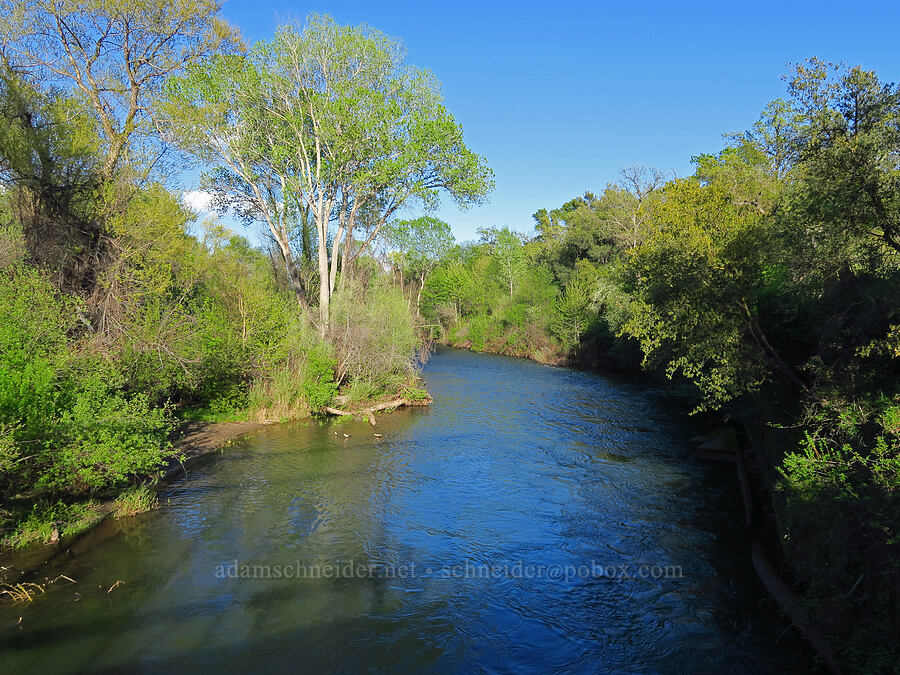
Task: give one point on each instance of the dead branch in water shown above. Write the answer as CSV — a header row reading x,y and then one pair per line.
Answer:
x,y
369,412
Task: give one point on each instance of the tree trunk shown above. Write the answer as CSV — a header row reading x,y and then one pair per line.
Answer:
x,y
419,294
305,239
324,287
294,278
757,332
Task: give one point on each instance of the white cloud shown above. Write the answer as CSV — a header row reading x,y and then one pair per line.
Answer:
x,y
197,200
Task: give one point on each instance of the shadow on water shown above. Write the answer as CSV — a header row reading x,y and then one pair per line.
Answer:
x,y
504,528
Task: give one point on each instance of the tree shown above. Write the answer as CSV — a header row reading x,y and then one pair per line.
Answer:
x,y
420,244
571,315
506,247
850,139
629,204
218,111
329,119
48,174
696,282
114,54
450,285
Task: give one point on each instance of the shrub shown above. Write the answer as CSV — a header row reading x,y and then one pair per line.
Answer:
x,y
33,347
102,437
319,387
373,333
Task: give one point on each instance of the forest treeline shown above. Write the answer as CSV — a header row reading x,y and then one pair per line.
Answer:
x,y
120,314
767,287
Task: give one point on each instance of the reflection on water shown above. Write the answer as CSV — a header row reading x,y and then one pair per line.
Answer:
x,y
458,515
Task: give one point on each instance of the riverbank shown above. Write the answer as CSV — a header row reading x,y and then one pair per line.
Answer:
x,y
195,439
191,440
546,352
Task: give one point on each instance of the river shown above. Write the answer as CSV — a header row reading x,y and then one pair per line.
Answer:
x,y
534,519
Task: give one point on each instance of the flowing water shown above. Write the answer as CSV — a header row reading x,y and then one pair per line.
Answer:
x,y
533,519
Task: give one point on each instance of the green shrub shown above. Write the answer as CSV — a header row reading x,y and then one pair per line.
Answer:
x,y
319,387
373,333
102,437
33,347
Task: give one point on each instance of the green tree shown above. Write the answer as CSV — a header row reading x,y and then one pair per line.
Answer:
x,y
506,248
571,314
328,117
419,244
696,282
848,156
48,171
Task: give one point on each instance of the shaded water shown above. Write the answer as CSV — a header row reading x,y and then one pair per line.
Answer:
x,y
504,528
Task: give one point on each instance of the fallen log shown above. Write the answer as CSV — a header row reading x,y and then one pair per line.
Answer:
x,y
369,413
714,456
719,445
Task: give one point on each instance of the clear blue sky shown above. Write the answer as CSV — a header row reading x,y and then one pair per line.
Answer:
x,y
560,96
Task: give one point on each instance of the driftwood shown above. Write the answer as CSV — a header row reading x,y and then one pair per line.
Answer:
x,y
369,413
722,445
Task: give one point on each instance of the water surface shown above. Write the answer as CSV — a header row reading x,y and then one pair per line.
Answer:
x,y
533,519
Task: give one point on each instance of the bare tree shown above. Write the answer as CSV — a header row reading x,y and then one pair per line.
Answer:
x,y
630,199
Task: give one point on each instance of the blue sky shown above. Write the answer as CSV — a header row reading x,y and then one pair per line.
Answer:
x,y
560,96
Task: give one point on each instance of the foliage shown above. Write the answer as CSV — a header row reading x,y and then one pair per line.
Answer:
x,y
118,315
571,316
695,282
767,284
374,335
114,55
323,122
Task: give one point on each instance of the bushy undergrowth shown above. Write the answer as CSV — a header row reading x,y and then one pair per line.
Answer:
x,y
189,330
374,336
132,502
49,520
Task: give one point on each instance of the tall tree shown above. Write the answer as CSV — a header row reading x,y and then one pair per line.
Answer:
x,y
340,125
115,54
848,155
218,111
506,247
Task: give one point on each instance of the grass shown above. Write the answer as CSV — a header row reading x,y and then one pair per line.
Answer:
x,y
414,394
134,501
207,415
48,521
